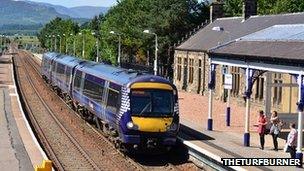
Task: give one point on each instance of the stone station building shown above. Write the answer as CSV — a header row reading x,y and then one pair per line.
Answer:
x,y
191,61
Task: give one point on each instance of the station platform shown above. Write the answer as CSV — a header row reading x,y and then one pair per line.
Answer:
x,y
19,149
223,141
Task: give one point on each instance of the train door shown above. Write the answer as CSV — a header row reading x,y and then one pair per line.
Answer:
x,y
51,70
105,100
71,81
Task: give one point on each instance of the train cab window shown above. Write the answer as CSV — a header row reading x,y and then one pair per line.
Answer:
x,y
152,102
112,102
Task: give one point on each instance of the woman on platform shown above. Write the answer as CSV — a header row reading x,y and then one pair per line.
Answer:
x,y
262,122
292,140
275,129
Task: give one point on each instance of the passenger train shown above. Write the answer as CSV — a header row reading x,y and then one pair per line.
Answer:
x,y
137,110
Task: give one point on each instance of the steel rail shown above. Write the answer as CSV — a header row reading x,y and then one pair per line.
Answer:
x,y
70,137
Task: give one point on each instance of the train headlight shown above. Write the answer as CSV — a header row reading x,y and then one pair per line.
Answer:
x,y
131,125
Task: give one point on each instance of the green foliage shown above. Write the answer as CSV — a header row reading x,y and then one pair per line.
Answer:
x,y
233,7
170,20
265,7
289,6
54,28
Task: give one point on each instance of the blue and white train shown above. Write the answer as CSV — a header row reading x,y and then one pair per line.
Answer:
x,y
136,109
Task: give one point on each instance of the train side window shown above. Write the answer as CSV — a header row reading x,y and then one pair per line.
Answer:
x,y
112,100
68,74
60,71
93,90
77,80
54,66
49,66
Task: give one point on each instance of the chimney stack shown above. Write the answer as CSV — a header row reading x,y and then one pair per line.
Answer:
x,y
216,10
249,8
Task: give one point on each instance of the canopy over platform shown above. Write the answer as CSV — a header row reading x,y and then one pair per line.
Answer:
x,y
279,48
279,45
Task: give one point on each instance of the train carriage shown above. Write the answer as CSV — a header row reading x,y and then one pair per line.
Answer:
x,y
46,65
63,67
138,109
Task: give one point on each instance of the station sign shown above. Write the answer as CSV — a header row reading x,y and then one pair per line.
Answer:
x,y
228,81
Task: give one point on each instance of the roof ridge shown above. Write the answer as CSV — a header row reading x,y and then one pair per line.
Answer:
x,y
257,16
282,14
224,44
270,40
229,18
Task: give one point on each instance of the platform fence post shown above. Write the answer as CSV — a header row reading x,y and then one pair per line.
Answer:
x,y
299,154
248,92
211,87
228,109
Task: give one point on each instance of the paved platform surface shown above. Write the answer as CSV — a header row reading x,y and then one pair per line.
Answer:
x,y
18,149
224,141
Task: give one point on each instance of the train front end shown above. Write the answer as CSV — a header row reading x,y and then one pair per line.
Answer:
x,y
151,115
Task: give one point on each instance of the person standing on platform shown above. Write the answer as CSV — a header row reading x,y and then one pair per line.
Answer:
x,y
292,140
262,122
275,129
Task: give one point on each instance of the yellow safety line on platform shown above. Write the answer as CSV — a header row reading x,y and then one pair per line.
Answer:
x,y
46,166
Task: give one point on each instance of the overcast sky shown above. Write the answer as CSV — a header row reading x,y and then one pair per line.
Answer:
x,y
74,3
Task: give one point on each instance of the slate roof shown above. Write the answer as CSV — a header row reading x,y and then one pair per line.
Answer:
x,y
234,28
285,42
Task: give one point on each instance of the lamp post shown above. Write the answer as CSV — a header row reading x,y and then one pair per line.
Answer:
x,y
74,45
59,43
97,48
119,46
46,42
228,109
55,45
156,49
50,43
66,44
83,45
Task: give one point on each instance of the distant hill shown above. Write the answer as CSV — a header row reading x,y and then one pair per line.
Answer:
x,y
17,16
23,13
87,12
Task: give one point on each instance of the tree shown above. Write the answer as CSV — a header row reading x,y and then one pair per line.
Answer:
x,y
265,7
289,6
233,8
170,20
57,27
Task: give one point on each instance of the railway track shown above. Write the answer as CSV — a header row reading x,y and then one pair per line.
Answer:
x,y
103,146
67,152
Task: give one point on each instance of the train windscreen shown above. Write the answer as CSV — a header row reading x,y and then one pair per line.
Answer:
x,y
152,103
